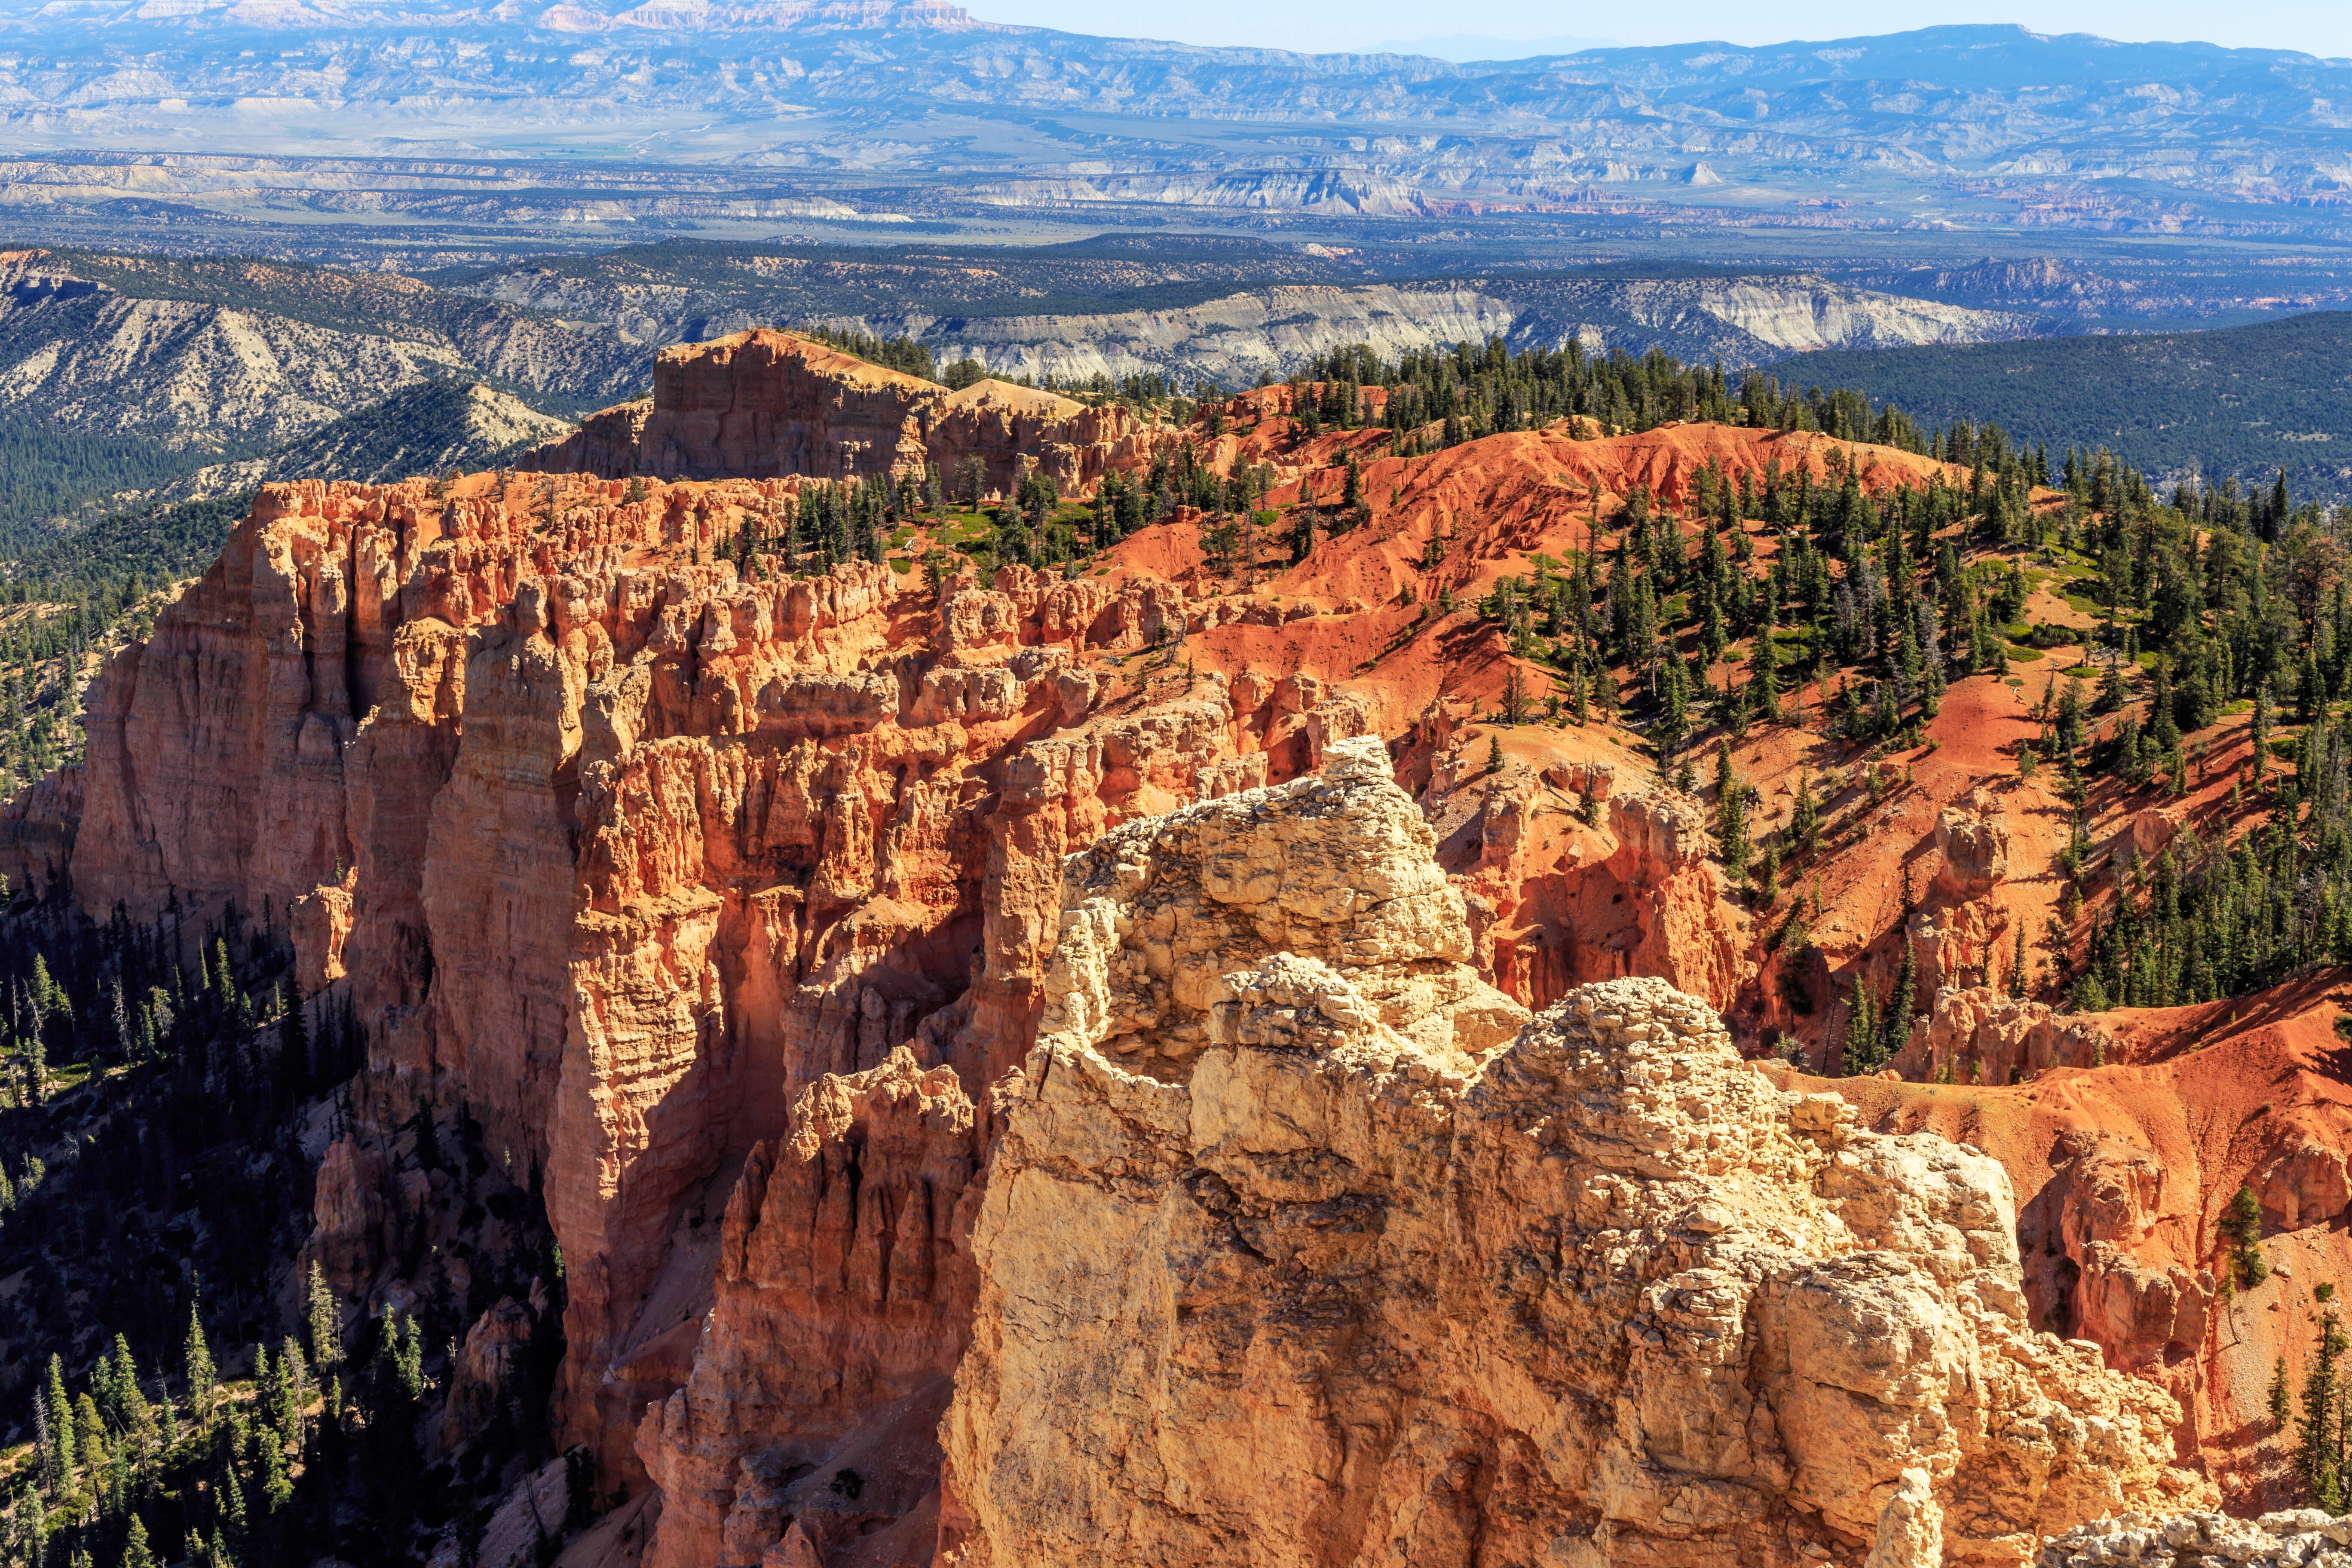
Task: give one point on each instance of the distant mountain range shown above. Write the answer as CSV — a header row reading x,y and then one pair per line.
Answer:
x,y
130,381
1463,46
688,113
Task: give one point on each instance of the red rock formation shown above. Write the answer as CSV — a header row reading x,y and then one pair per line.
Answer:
x,y
705,890
764,404
36,828
845,1298
489,1368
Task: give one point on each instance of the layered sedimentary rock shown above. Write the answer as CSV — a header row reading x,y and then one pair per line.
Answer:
x,y
724,907
619,848
1979,1035
764,404
1287,1253
36,828
844,1298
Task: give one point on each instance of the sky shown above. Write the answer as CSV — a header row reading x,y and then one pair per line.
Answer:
x,y
2316,27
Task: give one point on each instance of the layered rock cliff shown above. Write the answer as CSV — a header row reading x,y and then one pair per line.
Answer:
x,y
765,404
724,907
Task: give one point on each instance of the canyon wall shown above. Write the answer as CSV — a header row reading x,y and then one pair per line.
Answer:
x,y
621,853
922,1024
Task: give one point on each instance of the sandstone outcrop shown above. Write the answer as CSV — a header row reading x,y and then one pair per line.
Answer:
x,y
1975,854
2143,1307
1979,1035
619,849
845,1295
1289,1252
37,824
2283,1540
764,405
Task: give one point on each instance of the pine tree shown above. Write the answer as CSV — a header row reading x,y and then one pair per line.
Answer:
x,y
135,1546
325,1319
2017,981
1515,695
61,1422
1861,1058
2317,1432
199,1363
1765,875
1494,754
293,1034
2241,1227
277,1483
411,1359
288,1392
1805,818
1731,831
2281,1404
131,1410
89,1435
1896,1029
2262,730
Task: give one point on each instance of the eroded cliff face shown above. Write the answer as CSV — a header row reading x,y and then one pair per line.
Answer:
x,y
765,404
1287,1253
617,850
724,908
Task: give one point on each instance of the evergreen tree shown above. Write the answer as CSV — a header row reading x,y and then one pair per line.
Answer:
x,y
135,1545
2281,1404
1494,754
412,1358
61,1422
276,1481
2261,730
288,1392
293,1035
325,1320
1514,699
90,1436
1896,1030
1861,1055
130,1412
1805,818
2318,1432
198,1361
2241,1227
1731,831
232,1504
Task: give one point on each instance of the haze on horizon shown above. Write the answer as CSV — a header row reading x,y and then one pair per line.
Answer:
x,y
1327,25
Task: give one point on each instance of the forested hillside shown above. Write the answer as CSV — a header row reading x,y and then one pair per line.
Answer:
x,y
2240,403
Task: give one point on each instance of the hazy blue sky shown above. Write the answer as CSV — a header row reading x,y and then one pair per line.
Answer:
x,y
2319,27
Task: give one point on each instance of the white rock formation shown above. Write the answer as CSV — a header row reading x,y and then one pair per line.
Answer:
x,y
2206,1540
1290,1253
